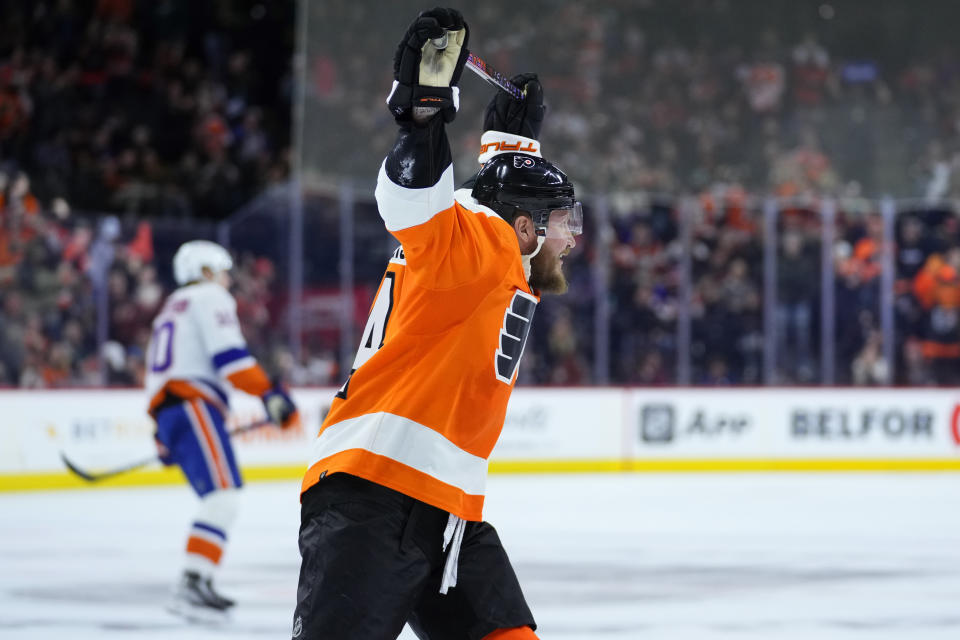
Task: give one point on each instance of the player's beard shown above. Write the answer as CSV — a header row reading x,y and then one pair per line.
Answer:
x,y
546,273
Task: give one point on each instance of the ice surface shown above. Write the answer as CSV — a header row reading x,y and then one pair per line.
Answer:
x,y
601,557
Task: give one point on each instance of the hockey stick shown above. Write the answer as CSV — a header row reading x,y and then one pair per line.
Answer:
x,y
480,67
133,466
486,71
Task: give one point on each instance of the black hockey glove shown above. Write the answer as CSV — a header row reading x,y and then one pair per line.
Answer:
x,y
426,78
280,409
509,115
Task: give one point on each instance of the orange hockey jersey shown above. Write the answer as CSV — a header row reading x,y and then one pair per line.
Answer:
x,y
425,403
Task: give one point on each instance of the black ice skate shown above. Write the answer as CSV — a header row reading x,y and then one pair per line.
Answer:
x,y
196,600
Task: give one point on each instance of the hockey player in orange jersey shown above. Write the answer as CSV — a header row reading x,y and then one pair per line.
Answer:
x,y
392,528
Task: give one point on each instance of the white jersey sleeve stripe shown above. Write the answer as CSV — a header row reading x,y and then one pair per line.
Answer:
x,y
402,208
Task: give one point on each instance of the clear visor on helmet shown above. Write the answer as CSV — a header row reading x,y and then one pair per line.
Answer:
x,y
564,223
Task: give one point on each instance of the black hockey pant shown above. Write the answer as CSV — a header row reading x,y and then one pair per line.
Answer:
x,y
372,560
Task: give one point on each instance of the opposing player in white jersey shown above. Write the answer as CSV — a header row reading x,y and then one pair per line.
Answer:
x,y
195,351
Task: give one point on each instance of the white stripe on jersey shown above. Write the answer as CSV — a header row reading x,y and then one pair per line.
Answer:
x,y
402,208
405,441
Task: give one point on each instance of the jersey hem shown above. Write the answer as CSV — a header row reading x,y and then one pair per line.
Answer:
x,y
365,464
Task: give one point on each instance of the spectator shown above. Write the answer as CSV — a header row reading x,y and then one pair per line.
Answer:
x,y
797,293
937,287
869,367
811,72
764,80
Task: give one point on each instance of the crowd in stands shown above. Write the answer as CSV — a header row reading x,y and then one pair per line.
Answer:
x,y
48,319
78,295
153,111
666,97
149,108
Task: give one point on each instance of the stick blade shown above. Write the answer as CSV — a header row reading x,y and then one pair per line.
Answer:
x,y
96,477
77,470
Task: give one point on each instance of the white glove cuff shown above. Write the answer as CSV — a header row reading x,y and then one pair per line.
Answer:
x,y
493,143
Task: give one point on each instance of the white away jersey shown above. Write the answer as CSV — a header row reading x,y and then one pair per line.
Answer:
x,y
196,344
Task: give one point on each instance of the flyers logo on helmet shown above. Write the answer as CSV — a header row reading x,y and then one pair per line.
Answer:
x,y
520,162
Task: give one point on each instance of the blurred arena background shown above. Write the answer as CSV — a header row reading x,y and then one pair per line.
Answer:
x,y
771,187
768,280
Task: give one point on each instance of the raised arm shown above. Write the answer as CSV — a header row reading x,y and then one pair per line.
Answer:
x,y
416,179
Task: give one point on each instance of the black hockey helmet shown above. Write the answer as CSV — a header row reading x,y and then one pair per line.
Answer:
x,y
513,183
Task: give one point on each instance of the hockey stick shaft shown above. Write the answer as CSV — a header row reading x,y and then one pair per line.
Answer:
x,y
96,477
133,466
483,69
480,67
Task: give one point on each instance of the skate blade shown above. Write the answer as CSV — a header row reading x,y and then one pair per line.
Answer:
x,y
198,614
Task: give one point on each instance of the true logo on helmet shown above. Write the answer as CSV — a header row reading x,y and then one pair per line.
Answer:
x,y
520,162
